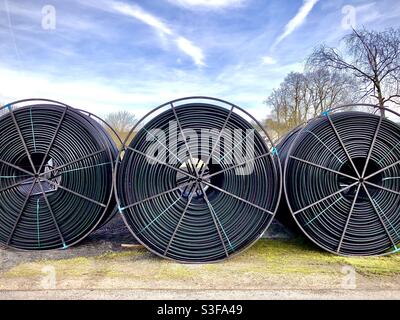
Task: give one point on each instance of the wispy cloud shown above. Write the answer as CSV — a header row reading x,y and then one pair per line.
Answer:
x,y
31,15
137,12
136,54
211,4
190,49
184,45
297,20
367,13
244,85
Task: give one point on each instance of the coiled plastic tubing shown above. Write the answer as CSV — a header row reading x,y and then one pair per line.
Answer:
x,y
198,183
56,168
342,180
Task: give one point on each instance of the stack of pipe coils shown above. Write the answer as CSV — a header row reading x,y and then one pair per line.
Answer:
x,y
195,182
342,180
198,183
56,167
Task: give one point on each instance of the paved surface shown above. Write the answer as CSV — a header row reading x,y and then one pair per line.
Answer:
x,y
203,295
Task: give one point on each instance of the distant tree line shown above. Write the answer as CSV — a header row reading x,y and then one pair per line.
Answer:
x,y
368,70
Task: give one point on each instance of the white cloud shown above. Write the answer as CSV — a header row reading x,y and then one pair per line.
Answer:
x,y
184,45
212,4
101,96
138,13
84,94
247,86
297,20
191,50
267,60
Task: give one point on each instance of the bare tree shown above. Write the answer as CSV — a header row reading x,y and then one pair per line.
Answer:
x,y
287,103
302,96
326,89
372,57
122,122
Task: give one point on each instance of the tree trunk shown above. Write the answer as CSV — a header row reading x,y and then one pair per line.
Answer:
x,y
381,100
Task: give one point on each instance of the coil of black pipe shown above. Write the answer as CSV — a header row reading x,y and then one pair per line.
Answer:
x,y
111,137
184,204
56,168
283,214
342,181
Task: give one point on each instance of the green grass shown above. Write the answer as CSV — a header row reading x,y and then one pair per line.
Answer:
x,y
286,256
266,257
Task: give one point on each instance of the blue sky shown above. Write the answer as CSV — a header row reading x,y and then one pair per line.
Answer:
x,y
104,55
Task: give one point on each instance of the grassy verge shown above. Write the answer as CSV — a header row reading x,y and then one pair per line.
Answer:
x,y
267,257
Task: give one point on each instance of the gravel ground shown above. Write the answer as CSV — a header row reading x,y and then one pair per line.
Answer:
x,y
277,267
109,238
203,295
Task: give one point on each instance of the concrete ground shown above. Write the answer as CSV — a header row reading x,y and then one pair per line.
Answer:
x,y
277,267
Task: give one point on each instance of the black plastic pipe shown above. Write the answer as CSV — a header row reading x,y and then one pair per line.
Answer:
x,y
193,207
342,181
56,167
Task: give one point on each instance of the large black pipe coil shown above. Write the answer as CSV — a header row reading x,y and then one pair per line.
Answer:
x,y
342,181
282,148
196,210
111,137
56,167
